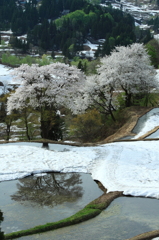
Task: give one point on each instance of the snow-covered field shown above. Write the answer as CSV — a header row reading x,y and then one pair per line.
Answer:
x,y
5,77
4,70
132,167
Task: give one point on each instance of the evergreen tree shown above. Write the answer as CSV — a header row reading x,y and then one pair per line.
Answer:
x,y
71,30
98,52
80,66
53,54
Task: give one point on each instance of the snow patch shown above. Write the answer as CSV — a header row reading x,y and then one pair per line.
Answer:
x,y
131,167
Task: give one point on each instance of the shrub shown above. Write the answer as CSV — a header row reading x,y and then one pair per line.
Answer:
x,y
86,126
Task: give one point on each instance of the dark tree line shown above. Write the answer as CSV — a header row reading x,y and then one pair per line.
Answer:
x,y
48,28
7,8
95,22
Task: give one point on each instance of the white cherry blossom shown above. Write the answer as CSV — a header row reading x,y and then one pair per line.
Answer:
x,y
55,84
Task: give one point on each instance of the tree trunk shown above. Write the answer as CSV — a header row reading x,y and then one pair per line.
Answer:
x,y
128,100
8,132
45,145
112,115
27,129
45,129
50,125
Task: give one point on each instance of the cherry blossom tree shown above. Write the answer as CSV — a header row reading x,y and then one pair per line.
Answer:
x,y
96,95
45,88
128,69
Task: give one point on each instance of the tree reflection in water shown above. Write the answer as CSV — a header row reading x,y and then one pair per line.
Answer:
x,y
50,189
1,219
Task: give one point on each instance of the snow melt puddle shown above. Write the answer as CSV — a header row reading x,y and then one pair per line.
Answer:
x,y
38,199
124,218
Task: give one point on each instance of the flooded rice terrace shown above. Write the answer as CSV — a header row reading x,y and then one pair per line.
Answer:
x,y
124,218
50,197
142,120
37,200
143,125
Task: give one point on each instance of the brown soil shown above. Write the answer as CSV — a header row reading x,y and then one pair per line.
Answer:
x,y
133,114
146,236
107,198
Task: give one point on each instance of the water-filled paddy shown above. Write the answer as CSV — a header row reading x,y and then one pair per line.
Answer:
x,y
124,218
142,120
153,135
37,200
142,123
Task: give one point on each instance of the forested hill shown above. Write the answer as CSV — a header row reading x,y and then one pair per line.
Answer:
x,y
49,27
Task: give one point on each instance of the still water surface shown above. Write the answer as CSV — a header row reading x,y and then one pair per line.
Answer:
x,y
153,135
141,123
142,120
37,200
124,218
